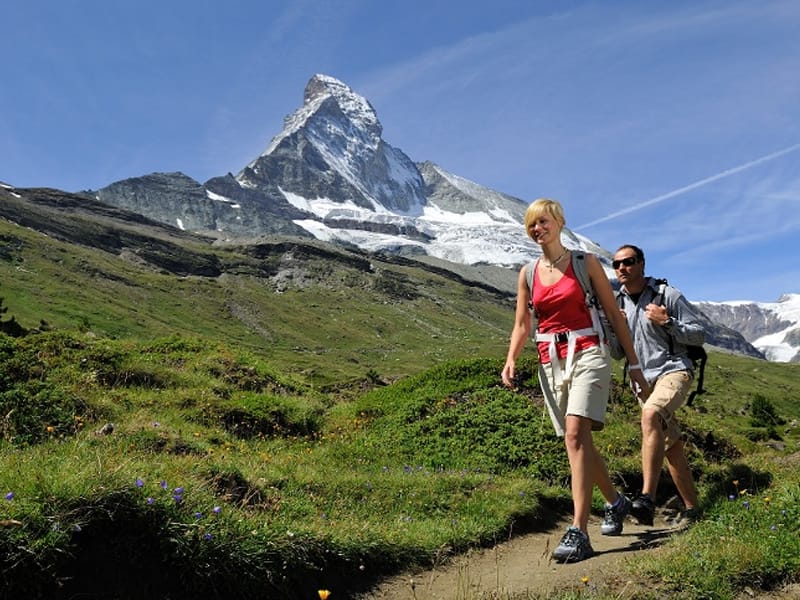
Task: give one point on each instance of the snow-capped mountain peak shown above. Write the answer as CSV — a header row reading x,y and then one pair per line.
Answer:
x,y
322,88
334,140
772,327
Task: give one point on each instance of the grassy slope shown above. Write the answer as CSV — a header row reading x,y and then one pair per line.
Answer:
x,y
393,320
261,392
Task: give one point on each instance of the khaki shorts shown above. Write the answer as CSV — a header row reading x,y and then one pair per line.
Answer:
x,y
584,395
669,394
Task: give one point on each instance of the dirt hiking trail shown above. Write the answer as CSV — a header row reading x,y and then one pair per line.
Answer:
x,y
522,564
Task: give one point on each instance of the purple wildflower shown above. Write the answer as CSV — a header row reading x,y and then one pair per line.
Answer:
x,y
139,482
151,500
163,485
216,510
10,496
207,536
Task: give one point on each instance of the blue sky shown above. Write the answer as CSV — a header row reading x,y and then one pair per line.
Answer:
x,y
671,125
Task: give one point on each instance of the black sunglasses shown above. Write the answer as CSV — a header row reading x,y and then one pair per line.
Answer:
x,y
628,262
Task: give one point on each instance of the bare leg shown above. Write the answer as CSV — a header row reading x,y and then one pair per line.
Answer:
x,y
681,474
652,451
587,467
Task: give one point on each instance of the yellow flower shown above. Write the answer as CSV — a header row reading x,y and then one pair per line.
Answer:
x,y
323,594
50,429
584,580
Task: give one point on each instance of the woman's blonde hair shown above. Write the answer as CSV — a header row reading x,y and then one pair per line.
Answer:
x,y
540,207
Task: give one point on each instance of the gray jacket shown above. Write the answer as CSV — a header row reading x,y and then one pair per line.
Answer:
x,y
651,341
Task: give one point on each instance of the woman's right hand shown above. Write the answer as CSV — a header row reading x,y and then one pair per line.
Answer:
x,y
508,374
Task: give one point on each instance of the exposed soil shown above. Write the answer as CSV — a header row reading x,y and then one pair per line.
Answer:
x,y
522,565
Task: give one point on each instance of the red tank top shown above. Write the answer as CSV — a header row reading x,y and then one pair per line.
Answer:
x,y
562,307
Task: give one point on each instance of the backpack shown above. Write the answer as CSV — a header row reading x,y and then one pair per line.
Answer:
x,y
600,322
697,354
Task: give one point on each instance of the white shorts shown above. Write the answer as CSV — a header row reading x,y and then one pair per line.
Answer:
x,y
584,395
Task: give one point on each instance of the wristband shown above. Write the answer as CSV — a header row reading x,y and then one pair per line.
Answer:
x,y
636,367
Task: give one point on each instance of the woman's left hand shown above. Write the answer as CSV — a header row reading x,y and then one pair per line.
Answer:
x,y
641,388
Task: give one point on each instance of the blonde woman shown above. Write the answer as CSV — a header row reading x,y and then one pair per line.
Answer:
x,y
575,367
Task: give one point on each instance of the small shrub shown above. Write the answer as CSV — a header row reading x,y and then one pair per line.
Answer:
x,y
763,413
37,410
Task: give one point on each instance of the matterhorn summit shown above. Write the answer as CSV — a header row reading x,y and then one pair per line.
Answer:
x,y
332,147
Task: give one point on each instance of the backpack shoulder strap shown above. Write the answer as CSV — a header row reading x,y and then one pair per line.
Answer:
x,y
660,299
579,266
530,269
661,285
618,297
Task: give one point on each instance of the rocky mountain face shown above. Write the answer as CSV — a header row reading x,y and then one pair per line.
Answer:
x,y
220,207
772,327
330,175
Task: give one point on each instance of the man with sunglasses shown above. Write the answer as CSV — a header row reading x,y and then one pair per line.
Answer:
x,y
662,325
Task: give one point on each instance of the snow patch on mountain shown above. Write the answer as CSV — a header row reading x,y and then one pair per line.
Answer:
x,y
213,196
492,200
467,238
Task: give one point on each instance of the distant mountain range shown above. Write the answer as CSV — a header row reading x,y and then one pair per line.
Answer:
x,y
772,327
330,175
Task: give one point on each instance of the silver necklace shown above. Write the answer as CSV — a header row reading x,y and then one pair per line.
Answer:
x,y
553,263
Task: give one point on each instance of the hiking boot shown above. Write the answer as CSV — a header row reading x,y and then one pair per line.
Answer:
x,y
643,509
685,518
574,546
614,517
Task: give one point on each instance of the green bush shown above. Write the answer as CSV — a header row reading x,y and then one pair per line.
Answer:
x,y
763,413
251,415
459,416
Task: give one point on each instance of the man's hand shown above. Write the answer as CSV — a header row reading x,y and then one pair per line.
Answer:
x,y
657,314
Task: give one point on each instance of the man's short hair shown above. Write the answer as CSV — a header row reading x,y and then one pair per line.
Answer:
x,y
639,252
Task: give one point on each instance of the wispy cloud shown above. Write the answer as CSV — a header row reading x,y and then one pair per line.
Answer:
x,y
692,186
